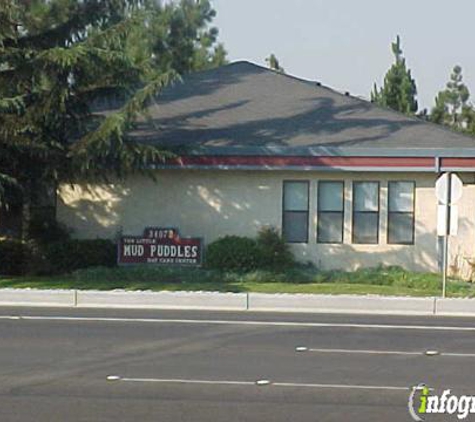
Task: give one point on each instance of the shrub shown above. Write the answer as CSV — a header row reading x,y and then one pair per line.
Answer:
x,y
68,256
274,253
47,230
12,257
233,253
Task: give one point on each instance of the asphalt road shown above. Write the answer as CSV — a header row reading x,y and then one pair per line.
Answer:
x,y
203,366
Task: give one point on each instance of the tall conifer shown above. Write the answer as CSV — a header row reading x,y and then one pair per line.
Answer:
x,y
399,90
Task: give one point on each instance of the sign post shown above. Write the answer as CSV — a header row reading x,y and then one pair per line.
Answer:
x,y
448,194
448,190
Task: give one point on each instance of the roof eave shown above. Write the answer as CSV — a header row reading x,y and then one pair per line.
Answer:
x,y
328,151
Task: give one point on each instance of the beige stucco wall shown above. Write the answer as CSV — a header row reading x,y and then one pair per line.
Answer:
x,y
210,204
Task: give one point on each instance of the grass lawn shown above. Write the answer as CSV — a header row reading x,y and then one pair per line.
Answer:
x,y
382,281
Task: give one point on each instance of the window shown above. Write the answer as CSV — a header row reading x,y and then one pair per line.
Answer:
x,y
366,212
295,212
401,213
330,212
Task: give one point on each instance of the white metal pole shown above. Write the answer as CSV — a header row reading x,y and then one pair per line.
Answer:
x,y
447,234
444,270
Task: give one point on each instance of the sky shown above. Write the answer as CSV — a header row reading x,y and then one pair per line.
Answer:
x,y
346,44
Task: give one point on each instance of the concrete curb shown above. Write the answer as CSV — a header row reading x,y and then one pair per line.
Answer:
x,y
455,307
32,297
342,304
162,300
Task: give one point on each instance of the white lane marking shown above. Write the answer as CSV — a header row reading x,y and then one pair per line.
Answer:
x,y
245,322
393,352
366,352
459,355
186,381
341,386
262,383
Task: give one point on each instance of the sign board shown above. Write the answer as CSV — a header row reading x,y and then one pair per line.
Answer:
x,y
160,245
442,188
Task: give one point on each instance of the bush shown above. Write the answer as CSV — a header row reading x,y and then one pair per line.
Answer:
x,y
67,256
47,230
268,251
19,258
12,257
274,253
233,253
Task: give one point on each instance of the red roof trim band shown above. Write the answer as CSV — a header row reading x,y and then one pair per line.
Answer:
x,y
285,161
457,162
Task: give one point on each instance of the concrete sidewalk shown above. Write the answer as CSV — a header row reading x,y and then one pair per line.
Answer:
x,y
239,302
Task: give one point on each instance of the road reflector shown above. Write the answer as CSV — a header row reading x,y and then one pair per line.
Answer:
x,y
301,349
113,378
262,382
432,353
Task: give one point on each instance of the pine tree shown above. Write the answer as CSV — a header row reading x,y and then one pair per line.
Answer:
x,y
179,37
274,64
59,57
399,90
56,59
452,107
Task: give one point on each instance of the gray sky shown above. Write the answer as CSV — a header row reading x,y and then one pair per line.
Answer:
x,y
345,44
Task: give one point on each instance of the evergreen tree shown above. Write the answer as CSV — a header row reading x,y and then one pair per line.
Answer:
x,y
59,57
399,89
274,64
179,37
56,59
451,105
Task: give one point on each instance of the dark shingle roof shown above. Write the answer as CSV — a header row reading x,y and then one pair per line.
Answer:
x,y
242,108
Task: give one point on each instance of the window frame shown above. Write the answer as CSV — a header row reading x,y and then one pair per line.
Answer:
x,y
284,211
342,183
413,212
378,212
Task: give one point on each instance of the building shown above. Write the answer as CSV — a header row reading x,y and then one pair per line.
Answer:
x,y
349,183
